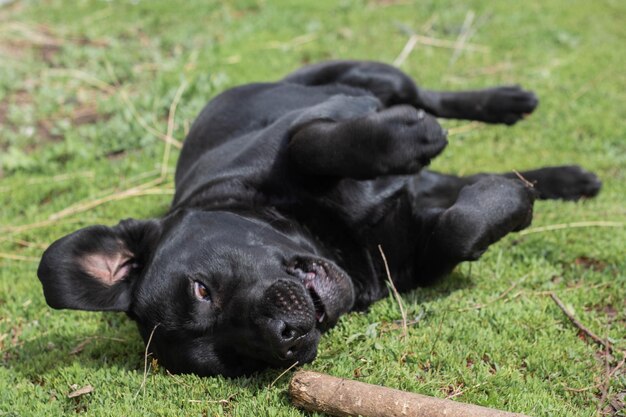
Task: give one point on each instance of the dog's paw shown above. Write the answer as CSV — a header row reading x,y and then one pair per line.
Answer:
x,y
409,139
507,104
485,212
566,183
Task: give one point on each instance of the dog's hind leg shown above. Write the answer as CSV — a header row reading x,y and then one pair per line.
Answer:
x,y
483,212
506,104
390,85
569,182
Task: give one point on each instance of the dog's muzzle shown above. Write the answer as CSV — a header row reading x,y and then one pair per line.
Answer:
x,y
290,326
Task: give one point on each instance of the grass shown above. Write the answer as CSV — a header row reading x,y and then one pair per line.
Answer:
x,y
85,91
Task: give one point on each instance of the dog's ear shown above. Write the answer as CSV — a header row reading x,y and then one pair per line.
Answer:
x,y
96,268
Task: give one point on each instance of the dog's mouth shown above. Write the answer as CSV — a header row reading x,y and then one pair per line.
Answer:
x,y
328,287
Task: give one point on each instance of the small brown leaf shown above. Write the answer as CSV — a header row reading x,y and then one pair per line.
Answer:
x,y
82,391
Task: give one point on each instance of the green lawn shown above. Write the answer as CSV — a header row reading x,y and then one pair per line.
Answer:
x,y
85,91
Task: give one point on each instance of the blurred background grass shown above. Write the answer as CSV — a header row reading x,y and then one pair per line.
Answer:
x,y
85,93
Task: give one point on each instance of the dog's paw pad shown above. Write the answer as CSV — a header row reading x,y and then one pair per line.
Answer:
x,y
411,139
510,104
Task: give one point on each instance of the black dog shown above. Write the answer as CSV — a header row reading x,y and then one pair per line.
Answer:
x,y
283,193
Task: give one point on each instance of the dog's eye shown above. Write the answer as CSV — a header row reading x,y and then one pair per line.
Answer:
x,y
201,291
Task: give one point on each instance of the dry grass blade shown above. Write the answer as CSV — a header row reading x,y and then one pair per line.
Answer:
x,y
408,48
170,129
18,257
412,41
145,362
137,191
282,374
463,391
572,225
443,43
405,327
463,36
56,178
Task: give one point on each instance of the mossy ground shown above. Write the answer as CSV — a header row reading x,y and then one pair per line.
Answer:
x,y
85,91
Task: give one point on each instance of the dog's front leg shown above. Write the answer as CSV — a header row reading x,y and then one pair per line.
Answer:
x,y
397,140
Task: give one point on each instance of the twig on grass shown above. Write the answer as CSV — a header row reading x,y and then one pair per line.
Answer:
x,y
405,328
282,374
619,365
599,384
572,225
145,362
604,387
579,325
523,179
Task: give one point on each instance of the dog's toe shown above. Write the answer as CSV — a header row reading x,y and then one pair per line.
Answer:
x,y
510,104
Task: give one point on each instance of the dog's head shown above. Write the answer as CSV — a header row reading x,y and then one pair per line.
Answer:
x,y
216,292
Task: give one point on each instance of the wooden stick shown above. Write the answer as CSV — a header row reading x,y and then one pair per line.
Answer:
x,y
343,397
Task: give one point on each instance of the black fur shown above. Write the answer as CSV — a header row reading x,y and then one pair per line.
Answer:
x,y
283,193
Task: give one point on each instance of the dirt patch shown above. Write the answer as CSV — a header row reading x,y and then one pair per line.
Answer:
x,y
44,129
22,39
590,263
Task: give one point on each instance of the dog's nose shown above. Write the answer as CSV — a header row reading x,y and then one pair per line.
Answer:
x,y
291,317
287,339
